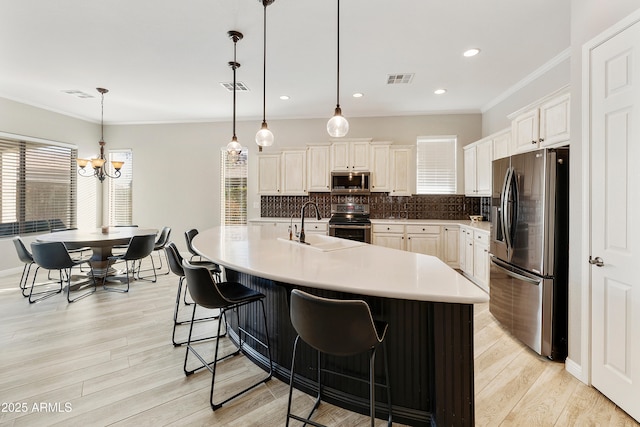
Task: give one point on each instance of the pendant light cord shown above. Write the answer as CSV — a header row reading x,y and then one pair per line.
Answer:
x,y
338,61
102,117
234,66
264,66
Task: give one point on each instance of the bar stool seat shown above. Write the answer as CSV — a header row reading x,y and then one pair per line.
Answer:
x,y
207,293
338,328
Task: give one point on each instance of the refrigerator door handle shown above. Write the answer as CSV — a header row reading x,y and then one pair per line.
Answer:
x,y
506,192
508,270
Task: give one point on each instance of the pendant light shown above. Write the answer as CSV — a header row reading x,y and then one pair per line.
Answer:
x,y
234,148
338,126
264,137
98,164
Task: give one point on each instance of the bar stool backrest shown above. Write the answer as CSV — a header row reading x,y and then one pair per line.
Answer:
x,y
175,259
189,235
163,238
203,287
337,327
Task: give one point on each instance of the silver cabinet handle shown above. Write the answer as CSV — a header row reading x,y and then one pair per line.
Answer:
x,y
597,261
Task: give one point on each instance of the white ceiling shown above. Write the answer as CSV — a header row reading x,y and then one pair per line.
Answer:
x,y
164,60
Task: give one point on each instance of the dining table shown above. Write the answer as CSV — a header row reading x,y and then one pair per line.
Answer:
x,y
100,240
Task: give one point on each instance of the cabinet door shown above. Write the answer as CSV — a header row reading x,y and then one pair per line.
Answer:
x,y
318,168
294,172
481,265
468,254
380,168
502,145
461,249
340,156
470,171
428,244
269,174
451,246
389,240
525,130
554,121
484,156
359,155
400,171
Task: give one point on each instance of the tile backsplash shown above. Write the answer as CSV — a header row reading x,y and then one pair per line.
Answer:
x,y
381,205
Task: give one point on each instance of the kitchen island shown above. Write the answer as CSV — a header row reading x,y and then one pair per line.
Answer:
x,y
429,308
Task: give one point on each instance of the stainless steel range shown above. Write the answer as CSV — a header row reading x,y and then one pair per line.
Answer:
x,y
350,221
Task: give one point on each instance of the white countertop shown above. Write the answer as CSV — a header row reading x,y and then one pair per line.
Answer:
x,y
363,269
478,225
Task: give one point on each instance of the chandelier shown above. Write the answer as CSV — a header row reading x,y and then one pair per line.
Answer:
x,y
98,165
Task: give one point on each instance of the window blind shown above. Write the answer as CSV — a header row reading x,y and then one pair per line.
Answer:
x,y
121,189
233,188
436,165
38,184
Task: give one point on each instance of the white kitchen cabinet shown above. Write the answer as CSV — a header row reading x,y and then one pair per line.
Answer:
x,y
269,174
468,253
380,165
502,144
451,245
477,168
545,124
350,155
424,239
481,259
314,227
294,167
400,170
318,167
388,235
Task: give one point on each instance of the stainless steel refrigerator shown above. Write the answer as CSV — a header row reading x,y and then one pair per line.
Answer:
x,y
529,248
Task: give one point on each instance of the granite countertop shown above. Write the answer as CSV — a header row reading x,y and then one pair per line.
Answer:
x,y
343,265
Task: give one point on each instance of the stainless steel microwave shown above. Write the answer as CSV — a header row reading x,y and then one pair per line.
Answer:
x,y
350,183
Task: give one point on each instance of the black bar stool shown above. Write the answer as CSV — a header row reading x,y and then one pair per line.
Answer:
x,y
206,292
338,328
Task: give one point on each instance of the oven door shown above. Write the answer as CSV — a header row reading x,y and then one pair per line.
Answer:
x,y
359,233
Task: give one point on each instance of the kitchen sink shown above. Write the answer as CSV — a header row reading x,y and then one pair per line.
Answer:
x,y
323,243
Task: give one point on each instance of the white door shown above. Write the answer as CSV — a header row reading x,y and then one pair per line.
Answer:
x,y
615,213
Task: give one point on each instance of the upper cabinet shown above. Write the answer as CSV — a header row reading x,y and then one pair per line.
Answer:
x,y
282,173
502,144
543,124
318,167
477,167
400,170
380,166
350,155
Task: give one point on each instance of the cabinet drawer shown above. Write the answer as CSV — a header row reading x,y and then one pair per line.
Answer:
x,y
426,229
320,227
481,236
388,228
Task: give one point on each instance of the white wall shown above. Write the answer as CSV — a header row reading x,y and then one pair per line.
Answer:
x,y
24,120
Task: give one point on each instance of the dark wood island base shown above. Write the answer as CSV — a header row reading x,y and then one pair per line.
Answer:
x,y
430,350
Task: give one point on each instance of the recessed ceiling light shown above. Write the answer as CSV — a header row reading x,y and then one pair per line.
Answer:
x,y
358,95
284,97
471,52
439,91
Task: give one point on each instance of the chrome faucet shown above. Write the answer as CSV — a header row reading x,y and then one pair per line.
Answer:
x,y
318,217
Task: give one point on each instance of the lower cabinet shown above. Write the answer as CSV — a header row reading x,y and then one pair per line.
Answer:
x,y
424,239
388,235
474,255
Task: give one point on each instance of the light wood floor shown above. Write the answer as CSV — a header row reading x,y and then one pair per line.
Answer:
x,y
108,360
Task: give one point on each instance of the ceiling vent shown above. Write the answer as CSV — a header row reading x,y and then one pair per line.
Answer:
x,y
399,79
78,93
240,87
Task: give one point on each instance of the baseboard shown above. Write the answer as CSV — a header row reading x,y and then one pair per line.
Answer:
x,y
575,369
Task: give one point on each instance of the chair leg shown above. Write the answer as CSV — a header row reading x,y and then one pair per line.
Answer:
x,y
316,404
372,387
177,322
24,278
388,384
45,294
153,268
93,279
112,289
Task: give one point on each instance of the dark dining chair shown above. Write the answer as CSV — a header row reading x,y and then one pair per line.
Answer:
x,y
196,258
54,256
174,259
158,246
227,296
338,328
25,257
139,247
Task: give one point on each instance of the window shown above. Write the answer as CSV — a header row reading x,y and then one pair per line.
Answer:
x,y
436,165
38,184
121,189
233,188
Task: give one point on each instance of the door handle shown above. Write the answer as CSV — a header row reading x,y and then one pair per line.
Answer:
x,y
597,261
